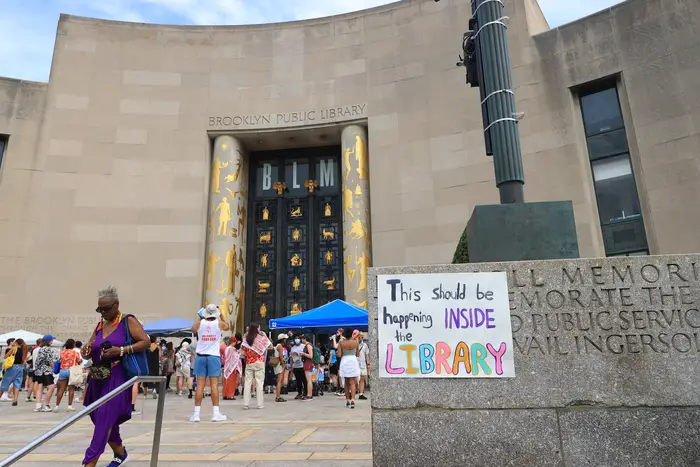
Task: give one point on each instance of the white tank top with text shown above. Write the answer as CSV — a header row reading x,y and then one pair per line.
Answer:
x,y
208,338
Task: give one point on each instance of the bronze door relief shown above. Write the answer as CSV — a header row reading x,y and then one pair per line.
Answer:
x,y
295,232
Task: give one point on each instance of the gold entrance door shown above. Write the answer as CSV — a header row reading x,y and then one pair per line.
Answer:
x,y
296,232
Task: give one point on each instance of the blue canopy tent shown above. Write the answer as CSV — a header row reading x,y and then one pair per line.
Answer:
x,y
172,327
329,317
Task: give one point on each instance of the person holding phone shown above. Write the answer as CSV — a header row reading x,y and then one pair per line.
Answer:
x,y
207,363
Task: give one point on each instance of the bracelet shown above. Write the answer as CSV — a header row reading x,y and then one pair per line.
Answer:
x,y
121,351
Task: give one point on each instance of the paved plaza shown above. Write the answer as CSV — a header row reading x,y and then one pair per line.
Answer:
x,y
320,432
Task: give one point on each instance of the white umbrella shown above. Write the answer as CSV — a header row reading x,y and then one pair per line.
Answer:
x,y
29,338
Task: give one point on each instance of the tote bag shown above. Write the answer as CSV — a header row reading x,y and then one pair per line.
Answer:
x,y
76,376
135,364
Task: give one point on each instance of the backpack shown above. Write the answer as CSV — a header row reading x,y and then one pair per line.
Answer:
x,y
9,360
317,356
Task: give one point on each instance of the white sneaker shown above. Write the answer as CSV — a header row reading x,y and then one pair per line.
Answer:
x,y
37,408
261,407
194,418
5,400
70,408
155,394
46,408
56,409
219,418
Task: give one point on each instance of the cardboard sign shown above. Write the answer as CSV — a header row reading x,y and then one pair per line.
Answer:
x,y
444,326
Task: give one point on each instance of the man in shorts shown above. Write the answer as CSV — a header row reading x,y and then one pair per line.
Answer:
x,y
207,364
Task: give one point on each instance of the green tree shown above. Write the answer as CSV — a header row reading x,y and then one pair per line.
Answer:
x,y
462,251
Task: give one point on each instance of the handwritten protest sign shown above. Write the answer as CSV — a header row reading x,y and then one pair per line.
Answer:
x,y
444,326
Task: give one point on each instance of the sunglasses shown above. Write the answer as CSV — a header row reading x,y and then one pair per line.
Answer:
x,y
102,309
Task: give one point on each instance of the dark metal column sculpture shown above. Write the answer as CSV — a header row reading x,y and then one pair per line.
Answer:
x,y
487,59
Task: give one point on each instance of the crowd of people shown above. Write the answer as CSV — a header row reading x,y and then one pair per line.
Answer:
x,y
246,364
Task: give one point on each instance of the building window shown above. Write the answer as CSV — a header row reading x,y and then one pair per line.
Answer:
x,y
3,141
615,188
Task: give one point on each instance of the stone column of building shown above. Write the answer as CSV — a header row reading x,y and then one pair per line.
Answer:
x,y
356,228
226,232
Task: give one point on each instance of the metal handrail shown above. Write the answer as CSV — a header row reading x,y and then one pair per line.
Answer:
x,y
94,406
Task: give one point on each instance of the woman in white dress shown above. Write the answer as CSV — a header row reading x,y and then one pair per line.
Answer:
x,y
348,350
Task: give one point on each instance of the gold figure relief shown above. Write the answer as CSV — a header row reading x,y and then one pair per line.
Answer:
x,y
362,304
234,176
226,309
358,191
241,211
330,284
346,158
216,175
296,283
296,309
263,260
296,212
240,302
363,262
348,202
212,259
295,260
328,234
296,235
311,185
263,310
228,282
361,157
232,193
234,232
265,238
356,230
263,287
327,210
279,187
349,270
265,214
328,256
224,210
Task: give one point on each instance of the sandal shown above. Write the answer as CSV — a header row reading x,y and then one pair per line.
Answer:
x,y
279,399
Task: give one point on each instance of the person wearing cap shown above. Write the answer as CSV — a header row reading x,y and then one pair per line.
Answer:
x,y
207,364
279,362
43,373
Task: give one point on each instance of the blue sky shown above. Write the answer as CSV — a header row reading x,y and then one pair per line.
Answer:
x,y
28,27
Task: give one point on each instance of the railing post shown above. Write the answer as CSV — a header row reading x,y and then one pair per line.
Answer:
x,y
159,424
12,458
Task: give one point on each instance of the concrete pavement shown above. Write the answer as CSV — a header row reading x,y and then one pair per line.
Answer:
x,y
319,432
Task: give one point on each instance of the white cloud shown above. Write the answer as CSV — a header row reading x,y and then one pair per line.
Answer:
x,y
28,27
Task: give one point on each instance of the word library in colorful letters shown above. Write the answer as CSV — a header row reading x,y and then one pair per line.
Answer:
x,y
444,325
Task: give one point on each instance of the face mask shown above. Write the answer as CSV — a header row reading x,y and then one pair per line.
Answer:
x,y
297,341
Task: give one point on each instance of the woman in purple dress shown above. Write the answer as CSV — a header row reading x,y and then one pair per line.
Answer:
x,y
106,346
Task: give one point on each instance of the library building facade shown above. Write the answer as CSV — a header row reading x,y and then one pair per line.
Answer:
x,y
265,168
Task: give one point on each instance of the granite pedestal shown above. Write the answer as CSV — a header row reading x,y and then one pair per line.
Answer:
x,y
607,360
522,231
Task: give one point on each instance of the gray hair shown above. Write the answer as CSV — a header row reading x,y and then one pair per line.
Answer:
x,y
110,293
